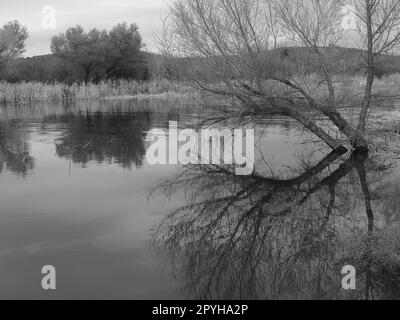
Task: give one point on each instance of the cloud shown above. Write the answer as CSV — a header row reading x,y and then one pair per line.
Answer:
x,y
101,14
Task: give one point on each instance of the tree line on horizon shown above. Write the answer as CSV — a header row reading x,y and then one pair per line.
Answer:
x,y
98,55
76,55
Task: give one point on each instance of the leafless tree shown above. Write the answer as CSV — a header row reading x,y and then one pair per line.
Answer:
x,y
226,45
273,25
379,30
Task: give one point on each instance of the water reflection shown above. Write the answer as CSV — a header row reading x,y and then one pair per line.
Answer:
x,y
268,235
98,137
91,222
100,132
15,150
262,237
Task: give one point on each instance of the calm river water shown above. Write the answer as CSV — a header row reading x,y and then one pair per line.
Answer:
x,y
74,193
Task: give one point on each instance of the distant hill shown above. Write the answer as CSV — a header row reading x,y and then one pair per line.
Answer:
x,y
340,60
291,60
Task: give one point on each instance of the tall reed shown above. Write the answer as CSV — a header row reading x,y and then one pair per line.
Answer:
x,y
28,92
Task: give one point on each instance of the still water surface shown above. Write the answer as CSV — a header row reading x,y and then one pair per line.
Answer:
x,y
74,193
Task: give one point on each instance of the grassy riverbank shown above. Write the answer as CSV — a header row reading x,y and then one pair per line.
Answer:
x,y
349,90
29,92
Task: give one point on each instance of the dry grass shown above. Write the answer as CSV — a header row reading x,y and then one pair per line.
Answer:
x,y
28,92
349,90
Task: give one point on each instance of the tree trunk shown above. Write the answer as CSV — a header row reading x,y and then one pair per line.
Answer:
x,y
370,72
87,74
312,126
88,71
357,139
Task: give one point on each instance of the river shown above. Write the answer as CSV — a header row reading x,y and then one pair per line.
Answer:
x,y
75,193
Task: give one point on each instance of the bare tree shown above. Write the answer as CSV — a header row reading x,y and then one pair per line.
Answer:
x,y
314,24
273,24
226,44
379,29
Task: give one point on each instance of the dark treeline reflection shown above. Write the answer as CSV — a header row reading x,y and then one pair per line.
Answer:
x,y
105,138
102,132
261,237
108,138
14,149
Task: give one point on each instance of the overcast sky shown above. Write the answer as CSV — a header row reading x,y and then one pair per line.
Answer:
x,y
102,14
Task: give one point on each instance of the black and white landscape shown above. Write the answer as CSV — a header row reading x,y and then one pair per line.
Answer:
x,y
200,149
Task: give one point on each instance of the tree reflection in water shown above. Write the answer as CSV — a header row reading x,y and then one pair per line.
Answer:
x,y
15,150
101,138
261,237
